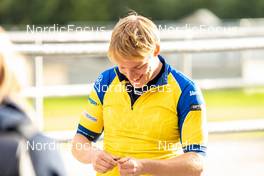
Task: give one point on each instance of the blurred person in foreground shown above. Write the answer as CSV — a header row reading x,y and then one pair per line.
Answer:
x,y
152,116
19,156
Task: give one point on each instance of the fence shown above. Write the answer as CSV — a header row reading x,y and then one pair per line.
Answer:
x,y
166,34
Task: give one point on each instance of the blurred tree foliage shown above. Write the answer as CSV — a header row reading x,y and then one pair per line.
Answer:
x,y
65,11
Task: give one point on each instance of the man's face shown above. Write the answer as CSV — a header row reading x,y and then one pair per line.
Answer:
x,y
138,71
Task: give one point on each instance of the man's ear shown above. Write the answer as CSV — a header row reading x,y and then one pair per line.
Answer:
x,y
157,50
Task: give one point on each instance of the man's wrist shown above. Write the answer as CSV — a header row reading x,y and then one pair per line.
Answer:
x,y
94,152
145,166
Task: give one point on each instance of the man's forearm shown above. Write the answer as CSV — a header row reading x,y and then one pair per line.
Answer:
x,y
82,149
188,164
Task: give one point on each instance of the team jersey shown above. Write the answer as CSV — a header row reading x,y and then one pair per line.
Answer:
x,y
166,120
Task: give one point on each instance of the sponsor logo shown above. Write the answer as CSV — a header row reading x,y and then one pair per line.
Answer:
x,y
98,80
92,101
196,107
89,117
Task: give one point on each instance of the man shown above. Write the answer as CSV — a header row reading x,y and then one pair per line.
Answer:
x,y
153,117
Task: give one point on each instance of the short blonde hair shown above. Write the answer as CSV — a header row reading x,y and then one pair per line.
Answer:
x,y
134,36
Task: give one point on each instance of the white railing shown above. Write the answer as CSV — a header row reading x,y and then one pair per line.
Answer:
x,y
167,33
189,46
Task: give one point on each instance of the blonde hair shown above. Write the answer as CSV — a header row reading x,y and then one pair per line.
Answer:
x,y
13,74
9,84
133,36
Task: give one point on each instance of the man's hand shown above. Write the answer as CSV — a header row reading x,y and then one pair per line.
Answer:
x,y
130,167
103,162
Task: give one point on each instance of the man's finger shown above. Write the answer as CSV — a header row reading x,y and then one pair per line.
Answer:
x,y
126,165
122,160
100,169
105,163
108,158
116,158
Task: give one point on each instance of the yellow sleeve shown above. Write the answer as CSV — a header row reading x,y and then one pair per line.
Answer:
x,y
91,120
194,131
192,120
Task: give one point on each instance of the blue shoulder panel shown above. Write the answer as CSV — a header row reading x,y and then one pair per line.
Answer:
x,y
102,83
190,96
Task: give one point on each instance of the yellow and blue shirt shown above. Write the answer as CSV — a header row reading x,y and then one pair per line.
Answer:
x,y
165,120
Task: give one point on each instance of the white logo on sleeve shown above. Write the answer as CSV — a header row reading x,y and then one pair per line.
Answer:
x,y
99,79
192,93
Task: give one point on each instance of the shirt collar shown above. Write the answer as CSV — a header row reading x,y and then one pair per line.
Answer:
x,y
163,80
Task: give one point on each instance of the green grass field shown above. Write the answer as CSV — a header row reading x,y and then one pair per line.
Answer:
x,y
222,105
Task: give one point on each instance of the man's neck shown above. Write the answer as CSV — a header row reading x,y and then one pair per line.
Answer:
x,y
157,66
